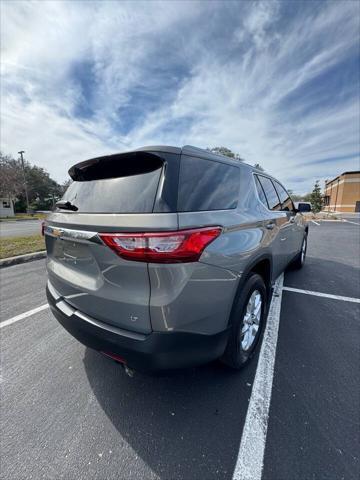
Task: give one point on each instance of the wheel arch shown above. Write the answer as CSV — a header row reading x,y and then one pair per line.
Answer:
x,y
263,266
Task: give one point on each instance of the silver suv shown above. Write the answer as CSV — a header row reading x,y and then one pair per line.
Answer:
x,y
165,257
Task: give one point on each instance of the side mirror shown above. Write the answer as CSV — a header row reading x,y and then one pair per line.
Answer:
x,y
304,207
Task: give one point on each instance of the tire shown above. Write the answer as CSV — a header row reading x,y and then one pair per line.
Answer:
x,y
239,351
299,260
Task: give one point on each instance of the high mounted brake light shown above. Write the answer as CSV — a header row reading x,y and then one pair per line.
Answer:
x,y
162,247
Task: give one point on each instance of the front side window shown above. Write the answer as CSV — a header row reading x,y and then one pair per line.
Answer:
x,y
207,185
285,199
270,193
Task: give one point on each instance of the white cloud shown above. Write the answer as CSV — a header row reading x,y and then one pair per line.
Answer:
x,y
55,141
220,74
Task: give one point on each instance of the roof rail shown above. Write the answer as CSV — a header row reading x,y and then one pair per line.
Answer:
x,y
191,147
209,153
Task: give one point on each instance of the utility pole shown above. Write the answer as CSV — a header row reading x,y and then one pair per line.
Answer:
x,y
25,185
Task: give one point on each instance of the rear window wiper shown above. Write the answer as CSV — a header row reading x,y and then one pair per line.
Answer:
x,y
66,205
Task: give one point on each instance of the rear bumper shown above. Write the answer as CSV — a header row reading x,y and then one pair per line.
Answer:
x,y
152,352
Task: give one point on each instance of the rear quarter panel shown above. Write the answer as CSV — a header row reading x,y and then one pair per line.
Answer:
x,y
245,236
193,297
198,297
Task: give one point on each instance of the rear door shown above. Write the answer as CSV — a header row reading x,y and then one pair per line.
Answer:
x,y
120,193
282,243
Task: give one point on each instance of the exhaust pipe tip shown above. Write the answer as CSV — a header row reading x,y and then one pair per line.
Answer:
x,y
129,371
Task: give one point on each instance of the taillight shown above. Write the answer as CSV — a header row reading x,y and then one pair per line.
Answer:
x,y
163,247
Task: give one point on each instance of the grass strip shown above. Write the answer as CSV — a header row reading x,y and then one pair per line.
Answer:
x,y
12,246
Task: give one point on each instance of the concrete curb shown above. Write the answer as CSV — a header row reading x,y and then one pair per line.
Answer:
x,y
329,220
28,257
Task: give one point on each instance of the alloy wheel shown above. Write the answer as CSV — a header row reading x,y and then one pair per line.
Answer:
x,y
251,321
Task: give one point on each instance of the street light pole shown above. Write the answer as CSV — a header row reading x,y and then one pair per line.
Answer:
x,y
25,185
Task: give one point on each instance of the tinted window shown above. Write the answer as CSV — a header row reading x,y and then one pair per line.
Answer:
x,y
207,185
130,194
304,207
270,193
114,166
284,197
260,191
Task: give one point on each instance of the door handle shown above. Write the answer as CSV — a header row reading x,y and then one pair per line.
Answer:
x,y
270,225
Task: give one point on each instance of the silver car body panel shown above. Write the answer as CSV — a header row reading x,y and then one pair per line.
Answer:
x,y
186,297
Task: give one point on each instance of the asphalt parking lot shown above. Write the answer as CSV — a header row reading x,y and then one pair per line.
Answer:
x,y
68,412
20,228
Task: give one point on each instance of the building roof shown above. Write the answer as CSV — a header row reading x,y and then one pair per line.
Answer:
x,y
342,174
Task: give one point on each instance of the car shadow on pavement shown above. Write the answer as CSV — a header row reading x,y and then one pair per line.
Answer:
x,y
326,276
183,424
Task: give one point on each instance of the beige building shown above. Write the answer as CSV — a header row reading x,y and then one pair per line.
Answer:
x,y
342,194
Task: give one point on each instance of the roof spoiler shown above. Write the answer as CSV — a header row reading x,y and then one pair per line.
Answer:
x,y
114,166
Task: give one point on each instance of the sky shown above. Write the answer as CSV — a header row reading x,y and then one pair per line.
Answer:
x,y
276,82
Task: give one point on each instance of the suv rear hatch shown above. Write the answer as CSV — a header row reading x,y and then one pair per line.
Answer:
x,y
131,192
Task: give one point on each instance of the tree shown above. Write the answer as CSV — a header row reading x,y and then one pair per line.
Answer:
x,y
11,178
227,152
66,184
307,197
316,197
295,197
42,189
259,167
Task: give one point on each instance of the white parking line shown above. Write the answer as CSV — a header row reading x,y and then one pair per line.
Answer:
x,y
349,221
12,320
316,223
320,294
250,459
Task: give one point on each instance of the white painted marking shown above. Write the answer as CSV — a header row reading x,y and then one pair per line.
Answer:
x,y
349,221
12,320
316,223
250,459
320,294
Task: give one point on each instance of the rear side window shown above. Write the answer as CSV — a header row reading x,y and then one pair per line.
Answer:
x,y
260,191
270,193
207,185
116,184
285,199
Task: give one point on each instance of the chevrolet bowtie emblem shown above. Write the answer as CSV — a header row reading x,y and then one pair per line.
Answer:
x,y
56,232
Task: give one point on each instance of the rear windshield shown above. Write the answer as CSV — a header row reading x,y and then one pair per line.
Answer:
x,y
115,184
207,185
